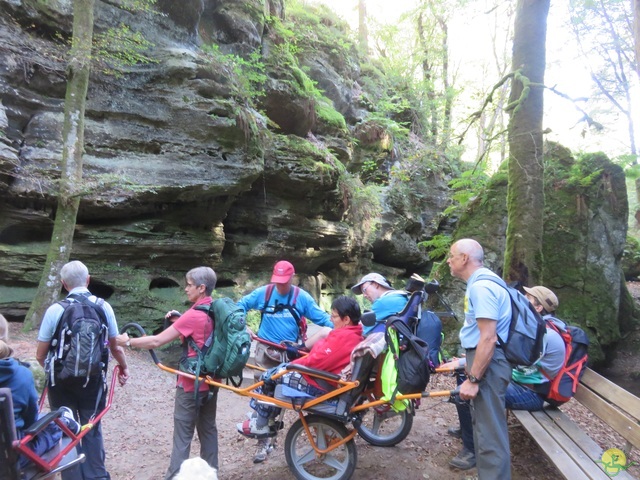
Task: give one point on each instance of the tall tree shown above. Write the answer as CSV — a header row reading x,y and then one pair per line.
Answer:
x,y
363,31
636,32
525,197
605,32
71,169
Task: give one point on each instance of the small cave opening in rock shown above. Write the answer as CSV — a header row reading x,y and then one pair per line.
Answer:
x,y
17,234
101,289
163,282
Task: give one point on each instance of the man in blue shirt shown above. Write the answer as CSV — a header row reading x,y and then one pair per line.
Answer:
x,y
280,303
529,385
385,301
487,309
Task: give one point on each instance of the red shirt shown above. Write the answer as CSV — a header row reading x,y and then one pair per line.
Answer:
x,y
333,352
197,325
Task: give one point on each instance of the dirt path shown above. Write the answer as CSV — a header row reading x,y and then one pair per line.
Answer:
x,y
138,432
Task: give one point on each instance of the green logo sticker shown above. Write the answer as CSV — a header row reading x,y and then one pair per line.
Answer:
x,y
614,461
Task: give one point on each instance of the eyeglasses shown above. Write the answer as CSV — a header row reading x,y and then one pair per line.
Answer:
x,y
335,315
452,255
364,289
189,284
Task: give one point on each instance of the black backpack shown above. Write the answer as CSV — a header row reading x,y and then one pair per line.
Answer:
x,y
411,354
527,329
301,321
79,344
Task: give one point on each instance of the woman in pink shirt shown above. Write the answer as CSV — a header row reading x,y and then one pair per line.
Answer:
x,y
191,411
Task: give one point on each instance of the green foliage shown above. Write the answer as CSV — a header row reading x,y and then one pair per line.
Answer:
x,y
466,187
119,48
253,320
329,115
438,246
630,165
362,208
248,74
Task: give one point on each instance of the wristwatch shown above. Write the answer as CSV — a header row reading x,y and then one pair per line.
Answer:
x,y
473,379
128,344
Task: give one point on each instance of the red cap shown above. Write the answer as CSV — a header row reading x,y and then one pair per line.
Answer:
x,y
282,272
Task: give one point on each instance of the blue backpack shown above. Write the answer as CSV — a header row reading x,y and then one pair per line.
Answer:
x,y
525,343
429,329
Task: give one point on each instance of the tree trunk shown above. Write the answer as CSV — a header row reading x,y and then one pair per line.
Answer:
x,y
525,198
71,168
636,33
363,32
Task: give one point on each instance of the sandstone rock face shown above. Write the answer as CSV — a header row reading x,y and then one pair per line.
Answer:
x,y
179,170
585,228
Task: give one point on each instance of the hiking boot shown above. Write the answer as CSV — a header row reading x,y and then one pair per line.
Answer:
x,y
264,448
69,420
250,428
464,460
455,432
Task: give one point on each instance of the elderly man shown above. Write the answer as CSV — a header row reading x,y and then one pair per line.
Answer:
x,y
84,396
487,310
529,385
385,301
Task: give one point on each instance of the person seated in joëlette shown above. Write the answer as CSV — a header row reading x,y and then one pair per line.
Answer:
x,y
330,354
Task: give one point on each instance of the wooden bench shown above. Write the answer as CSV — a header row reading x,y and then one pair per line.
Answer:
x,y
571,450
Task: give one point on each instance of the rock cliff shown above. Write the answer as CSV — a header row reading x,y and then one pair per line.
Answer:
x,y
187,162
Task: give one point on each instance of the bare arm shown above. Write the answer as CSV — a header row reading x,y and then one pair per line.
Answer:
x,y
484,354
149,341
118,354
41,352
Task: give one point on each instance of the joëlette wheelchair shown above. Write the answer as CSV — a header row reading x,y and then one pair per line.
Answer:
x,y
60,458
320,443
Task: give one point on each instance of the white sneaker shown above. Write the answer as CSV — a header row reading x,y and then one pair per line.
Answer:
x,y
69,420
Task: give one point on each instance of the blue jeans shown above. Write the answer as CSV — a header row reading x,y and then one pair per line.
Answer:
x,y
464,415
42,443
522,398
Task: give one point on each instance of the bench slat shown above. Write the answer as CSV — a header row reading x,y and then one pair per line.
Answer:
x,y
621,423
588,445
554,450
612,392
565,452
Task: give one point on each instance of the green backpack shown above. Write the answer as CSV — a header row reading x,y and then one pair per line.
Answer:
x,y
226,351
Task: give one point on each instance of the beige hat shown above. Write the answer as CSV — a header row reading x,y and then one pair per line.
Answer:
x,y
371,277
546,297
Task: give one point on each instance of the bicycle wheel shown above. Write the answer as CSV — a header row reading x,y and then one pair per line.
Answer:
x,y
383,427
339,464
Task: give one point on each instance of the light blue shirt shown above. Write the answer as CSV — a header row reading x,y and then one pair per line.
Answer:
x,y
278,326
548,366
484,299
389,303
54,313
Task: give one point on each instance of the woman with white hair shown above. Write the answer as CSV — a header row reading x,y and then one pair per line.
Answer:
x,y
192,411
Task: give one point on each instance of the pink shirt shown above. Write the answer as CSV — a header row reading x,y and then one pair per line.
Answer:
x,y
198,325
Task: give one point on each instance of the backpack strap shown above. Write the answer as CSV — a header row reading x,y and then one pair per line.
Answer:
x,y
200,352
514,307
290,306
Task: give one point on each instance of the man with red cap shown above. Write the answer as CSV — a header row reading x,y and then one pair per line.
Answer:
x,y
282,305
